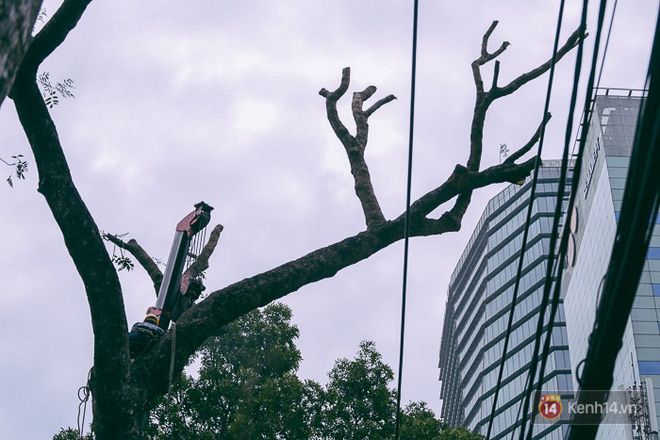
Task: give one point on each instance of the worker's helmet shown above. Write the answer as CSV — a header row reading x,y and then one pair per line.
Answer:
x,y
151,318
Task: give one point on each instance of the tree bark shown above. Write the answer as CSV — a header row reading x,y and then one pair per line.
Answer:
x,y
17,18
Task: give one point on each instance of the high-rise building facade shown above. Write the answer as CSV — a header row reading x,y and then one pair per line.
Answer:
x,y
593,224
477,313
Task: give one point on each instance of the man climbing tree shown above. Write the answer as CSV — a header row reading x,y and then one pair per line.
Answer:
x,y
124,391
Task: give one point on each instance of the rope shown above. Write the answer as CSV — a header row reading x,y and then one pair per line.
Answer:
x,y
406,233
172,357
83,396
527,223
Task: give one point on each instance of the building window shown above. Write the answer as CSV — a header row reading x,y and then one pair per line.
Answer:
x,y
649,367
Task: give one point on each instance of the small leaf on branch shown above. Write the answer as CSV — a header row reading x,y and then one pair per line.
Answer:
x,y
123,263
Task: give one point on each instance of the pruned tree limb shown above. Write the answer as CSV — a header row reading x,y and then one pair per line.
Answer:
x,y
525,78
485,57
534,139
225,305
378,104
142,257
485,98
355,145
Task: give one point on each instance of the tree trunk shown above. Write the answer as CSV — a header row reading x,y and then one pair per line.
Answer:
x,y
17,19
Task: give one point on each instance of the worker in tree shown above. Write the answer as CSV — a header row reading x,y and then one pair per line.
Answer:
x,y
144,333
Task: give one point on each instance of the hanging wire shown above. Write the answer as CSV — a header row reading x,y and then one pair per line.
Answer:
x,y
406,233
607,44
83,396
527,222
563,246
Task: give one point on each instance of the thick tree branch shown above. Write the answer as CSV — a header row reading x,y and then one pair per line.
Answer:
x,y
223,306
145,260
355,145
52,35
485,57
331,99
378,104
112,404
534,139
17,18
523,79
462,180
485,98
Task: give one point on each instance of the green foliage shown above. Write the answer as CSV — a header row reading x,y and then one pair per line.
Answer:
x,y
248,389
52,93
20,168
459,434
360,403
122,261
418,422
71,434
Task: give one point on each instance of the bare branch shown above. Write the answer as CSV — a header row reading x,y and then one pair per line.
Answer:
x,y
463,180
485,99
485,57
534,139
355,145
378,104
331,99
145,260
225,305
496,75
523,79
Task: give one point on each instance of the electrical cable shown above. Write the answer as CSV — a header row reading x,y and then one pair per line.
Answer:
x,y
406,234
83,397
607,45
515,424
527,221
558,263
554,234
640,203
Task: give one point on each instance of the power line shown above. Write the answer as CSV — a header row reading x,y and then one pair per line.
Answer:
x,y
406,234
527,221
559,266
640,205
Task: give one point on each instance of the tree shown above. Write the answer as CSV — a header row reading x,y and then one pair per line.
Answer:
x,y
360,403
248,388
17,17
123,391
419,421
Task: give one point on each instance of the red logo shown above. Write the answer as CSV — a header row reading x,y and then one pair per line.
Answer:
x,y
550,406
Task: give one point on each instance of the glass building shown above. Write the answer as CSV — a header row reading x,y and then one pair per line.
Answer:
x,y
477,313
593,225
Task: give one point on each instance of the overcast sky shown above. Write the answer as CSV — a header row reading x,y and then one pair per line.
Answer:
x,y
178,102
